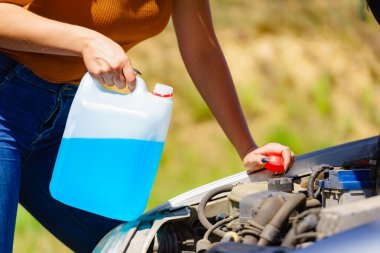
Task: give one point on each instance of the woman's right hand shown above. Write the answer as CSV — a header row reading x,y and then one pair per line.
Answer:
x,y
108,63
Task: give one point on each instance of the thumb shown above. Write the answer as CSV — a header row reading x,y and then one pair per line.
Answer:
x,y
254,162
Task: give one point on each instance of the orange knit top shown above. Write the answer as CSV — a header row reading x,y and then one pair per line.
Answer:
x,y
127,22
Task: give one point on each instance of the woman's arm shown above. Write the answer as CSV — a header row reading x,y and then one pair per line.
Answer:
x,y
22,30
208,69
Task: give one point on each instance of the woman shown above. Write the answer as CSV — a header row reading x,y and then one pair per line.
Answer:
x,y
46,47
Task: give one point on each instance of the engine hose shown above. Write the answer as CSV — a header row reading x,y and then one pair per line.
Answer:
x,y
311,203
267,211
307,224
231,236
250,232
202,206
272,230
305,213
306,235
313,176
255,224
253,228
218,224
288,241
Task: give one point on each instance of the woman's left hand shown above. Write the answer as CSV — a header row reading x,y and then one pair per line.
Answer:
x,y
253,160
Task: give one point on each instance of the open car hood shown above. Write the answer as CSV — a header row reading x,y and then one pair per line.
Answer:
x,y
140,235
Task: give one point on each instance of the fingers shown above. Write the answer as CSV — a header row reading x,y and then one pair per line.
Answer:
x,y
126,76
287,156
108,79
118,80
97,69
254,162
292,159
108,63
98,78
117,73
120,77
130,77
256,159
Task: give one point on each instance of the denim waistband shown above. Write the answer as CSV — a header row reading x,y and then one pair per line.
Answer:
x,y
10,65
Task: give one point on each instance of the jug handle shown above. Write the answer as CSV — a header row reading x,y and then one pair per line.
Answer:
x,y
92,83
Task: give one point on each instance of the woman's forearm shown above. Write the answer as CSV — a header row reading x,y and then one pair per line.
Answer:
x,y
22,30
208,69
213,80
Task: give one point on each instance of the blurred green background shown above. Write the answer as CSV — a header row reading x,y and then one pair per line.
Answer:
x,y
307,73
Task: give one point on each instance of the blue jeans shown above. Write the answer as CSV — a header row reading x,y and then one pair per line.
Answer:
x,y
33,113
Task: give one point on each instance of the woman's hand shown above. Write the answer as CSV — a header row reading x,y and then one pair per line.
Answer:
x,y
108,63
253,160
104,58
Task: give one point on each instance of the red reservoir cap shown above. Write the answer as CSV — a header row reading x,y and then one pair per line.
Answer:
x,y
275,164
162,90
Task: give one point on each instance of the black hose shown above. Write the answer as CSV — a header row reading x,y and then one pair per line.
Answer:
x,y
308,223
250,232
218,224
272,230
289,206
313,176
202,206
268,209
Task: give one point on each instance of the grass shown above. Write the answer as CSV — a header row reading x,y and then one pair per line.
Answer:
x,y
306,72
321,94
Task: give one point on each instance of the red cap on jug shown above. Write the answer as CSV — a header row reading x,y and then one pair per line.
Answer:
x,y
162,90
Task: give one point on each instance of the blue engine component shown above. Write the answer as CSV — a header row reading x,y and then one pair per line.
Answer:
x,y
343,186
348,180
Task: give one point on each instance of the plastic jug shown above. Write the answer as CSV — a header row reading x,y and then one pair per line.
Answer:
x,y
111,149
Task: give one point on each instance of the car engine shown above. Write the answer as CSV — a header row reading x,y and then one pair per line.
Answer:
x,y
286,213
326,194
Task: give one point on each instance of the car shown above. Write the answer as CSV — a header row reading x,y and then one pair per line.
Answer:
x,y
328,202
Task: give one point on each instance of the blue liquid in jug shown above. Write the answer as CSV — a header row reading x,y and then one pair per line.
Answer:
x,y
109,177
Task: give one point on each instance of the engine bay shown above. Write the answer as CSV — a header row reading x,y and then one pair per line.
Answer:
x,y
285,213
328,202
